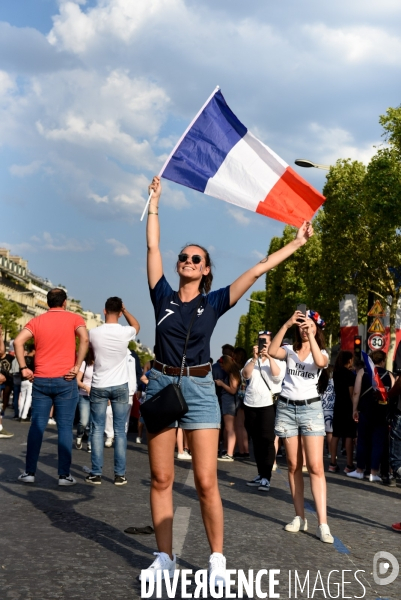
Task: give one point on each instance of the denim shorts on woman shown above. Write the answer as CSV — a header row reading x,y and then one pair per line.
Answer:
x,y
200,395
306,419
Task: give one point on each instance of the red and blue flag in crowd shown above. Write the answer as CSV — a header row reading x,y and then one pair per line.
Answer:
x,y
377,383
218,156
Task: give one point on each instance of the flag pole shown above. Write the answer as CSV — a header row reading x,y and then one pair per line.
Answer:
x,y
216,89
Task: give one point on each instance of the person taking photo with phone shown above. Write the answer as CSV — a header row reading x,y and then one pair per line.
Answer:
x,y
263,375
299,416
174,311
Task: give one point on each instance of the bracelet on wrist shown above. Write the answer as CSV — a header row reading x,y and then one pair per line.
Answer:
x,y
23,368
152,213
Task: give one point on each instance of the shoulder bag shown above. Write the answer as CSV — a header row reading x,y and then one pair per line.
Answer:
x,y
169,404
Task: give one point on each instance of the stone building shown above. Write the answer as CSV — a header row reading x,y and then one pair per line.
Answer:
x,y
29,291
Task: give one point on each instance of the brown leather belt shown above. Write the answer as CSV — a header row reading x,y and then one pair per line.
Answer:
x,y
200,371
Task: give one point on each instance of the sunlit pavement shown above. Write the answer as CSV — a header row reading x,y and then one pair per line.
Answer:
x,y
70,542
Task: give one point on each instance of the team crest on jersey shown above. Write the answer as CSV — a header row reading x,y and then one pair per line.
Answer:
x,y
200,310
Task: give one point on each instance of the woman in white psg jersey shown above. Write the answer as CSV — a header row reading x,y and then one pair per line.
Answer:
x,y
173,312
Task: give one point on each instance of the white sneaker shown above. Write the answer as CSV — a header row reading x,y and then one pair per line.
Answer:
x,y
374,478
297,524
27,477
324,535
355,475
162,562
138,440
108,443
51,421
66,480
217,568
274,467
226,458
184,456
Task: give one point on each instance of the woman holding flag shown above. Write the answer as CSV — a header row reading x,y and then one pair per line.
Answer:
x,y
174,311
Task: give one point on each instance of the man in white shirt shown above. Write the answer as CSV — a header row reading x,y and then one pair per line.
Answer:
x,y
110,383
264,375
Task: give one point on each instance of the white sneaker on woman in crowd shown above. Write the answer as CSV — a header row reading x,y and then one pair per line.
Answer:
x,y
217,569
184,455
297,524
324,535
162,562
355,474
108,443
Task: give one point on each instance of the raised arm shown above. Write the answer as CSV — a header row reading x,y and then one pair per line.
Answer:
x,y
275,349
154,259
247,279
131,320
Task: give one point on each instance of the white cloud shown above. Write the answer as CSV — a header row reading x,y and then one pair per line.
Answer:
x,y
25,170
119,249
358,44
238,215
47,241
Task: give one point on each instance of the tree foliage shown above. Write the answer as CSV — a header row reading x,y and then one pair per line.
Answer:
x,y
10,312
357,243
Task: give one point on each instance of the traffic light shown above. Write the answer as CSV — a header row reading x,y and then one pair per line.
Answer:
x,y
358,347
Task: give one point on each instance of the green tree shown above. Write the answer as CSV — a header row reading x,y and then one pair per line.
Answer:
x,y
240,339
10,312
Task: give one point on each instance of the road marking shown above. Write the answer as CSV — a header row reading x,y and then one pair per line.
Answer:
x,y
180,528
190,482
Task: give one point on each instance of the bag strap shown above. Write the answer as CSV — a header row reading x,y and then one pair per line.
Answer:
x,y
184,356
371,387
261,374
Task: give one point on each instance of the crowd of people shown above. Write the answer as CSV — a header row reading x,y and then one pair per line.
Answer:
x,y
285,398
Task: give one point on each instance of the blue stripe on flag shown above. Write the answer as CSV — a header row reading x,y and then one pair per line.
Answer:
x,y
204,148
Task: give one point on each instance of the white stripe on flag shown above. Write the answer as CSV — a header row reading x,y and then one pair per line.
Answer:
x,y
248,173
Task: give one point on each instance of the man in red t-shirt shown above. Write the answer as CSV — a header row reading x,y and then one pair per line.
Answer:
x,y
56,368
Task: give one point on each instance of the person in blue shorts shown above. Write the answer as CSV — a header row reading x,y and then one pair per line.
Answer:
x,y
173,312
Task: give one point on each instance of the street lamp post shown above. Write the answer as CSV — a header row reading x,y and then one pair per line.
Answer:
x,y
257,301
304,162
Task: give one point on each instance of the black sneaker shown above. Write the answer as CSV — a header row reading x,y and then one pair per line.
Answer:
x,y
254,482
93,479
389,481
120,480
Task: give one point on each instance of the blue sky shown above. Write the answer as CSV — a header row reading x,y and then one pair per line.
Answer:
x,y
93,95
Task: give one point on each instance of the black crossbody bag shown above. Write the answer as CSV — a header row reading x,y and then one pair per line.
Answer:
x,y
169,404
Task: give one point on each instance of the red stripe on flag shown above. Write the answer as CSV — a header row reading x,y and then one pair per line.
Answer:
x,y
291,200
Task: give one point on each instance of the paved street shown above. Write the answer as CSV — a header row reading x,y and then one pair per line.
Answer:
x,y
70,542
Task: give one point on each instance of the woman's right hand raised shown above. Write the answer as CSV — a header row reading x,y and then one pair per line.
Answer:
x,y
297,318
156,188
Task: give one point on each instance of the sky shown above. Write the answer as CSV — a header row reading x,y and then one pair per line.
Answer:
x,y
94,95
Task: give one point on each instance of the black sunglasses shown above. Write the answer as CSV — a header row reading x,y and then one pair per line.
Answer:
x,y
196,258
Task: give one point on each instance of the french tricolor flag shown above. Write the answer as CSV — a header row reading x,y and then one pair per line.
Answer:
x,y
218,156
374,376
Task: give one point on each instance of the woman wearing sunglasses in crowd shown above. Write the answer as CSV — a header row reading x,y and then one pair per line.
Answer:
x,y
173,312
299,416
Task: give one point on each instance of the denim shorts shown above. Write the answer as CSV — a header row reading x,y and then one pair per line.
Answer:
x,y
291,420
200,395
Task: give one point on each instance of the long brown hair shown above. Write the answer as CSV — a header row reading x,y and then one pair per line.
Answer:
x,y
206,282
230,367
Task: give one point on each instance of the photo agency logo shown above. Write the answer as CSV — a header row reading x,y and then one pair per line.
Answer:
x,y
385,568
256,584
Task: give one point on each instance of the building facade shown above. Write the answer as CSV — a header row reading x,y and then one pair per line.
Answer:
x,y
29,291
